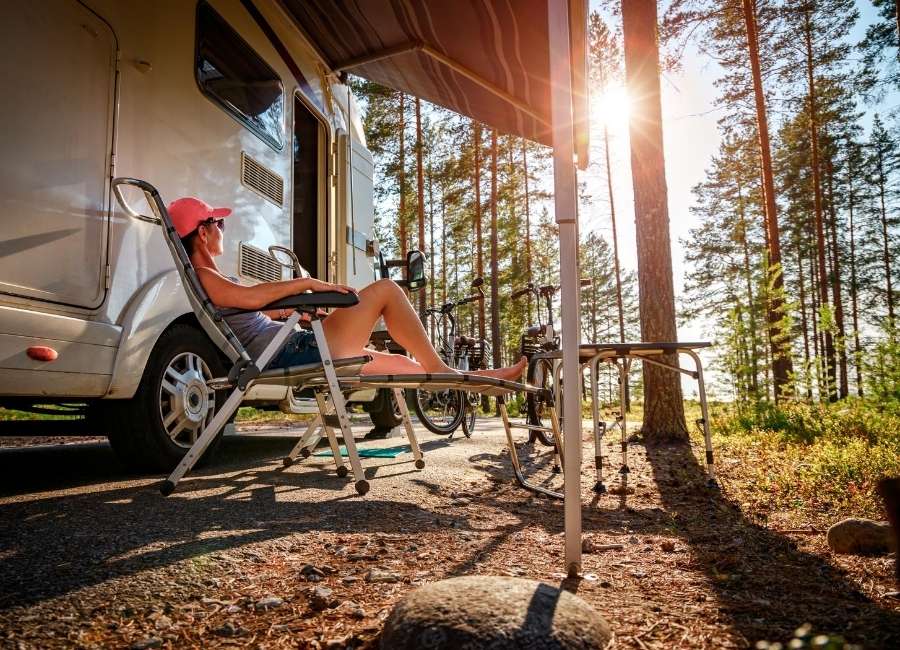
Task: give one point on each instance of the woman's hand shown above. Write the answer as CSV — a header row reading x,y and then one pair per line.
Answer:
x,y
319,285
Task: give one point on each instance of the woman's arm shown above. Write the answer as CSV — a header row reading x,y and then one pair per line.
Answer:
x,y
225,293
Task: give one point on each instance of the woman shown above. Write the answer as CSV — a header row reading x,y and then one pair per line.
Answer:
x,y
347,330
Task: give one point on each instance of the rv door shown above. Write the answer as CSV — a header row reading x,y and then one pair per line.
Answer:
x,y
58,66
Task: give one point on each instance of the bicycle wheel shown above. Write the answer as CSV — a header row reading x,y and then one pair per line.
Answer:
x,y
440,412
472,401
540,373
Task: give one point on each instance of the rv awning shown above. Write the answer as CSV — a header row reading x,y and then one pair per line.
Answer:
x,y
487,59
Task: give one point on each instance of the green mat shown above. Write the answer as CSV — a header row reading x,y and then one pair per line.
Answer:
x,y
372,452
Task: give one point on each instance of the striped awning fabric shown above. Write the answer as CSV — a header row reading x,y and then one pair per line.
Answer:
x,y
487,59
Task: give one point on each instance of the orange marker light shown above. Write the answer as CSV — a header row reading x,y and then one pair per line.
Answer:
x,y
42,353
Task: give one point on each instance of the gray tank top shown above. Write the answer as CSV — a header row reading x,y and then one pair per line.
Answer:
x,y
253,329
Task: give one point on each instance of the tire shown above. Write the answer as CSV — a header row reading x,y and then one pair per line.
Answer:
x,y
540,373
146,431
384,411
440,412
473,401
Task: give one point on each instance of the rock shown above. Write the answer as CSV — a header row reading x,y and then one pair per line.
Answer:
x,y
232,609
349,580
860,536
163,623
353,609
269,602
668,546
229,629
311,573
493,612
321,598
145,644
380,575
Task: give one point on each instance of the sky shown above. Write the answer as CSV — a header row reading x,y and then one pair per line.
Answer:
x,y
691,138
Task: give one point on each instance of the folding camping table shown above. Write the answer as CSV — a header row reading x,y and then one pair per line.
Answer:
x,y
621,355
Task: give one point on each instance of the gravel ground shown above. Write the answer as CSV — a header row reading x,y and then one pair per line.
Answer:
x,y
250,554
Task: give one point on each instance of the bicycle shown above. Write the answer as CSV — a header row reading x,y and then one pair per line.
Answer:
x,y
536,339
442,412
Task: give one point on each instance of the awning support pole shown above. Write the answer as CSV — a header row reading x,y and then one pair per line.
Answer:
x,y
565,206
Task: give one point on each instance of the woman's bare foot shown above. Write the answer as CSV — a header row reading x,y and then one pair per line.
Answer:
x,y
511,373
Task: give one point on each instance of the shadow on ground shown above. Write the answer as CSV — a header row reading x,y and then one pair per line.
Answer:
x,y
108,524
762,581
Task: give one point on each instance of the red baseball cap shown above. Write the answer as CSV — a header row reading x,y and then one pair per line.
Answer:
x,y
189,212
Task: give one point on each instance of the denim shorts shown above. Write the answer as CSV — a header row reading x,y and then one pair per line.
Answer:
x,y
299,350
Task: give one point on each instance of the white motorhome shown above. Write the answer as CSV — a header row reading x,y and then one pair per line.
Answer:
x,y
222,99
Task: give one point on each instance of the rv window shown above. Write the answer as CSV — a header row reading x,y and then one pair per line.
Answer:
x,y
236,78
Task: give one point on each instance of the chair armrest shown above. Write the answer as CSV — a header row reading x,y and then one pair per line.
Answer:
x,y
303,302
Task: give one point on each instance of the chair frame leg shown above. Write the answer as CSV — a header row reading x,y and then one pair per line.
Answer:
x,y
340,408
598,426
624,368
408,427
514,456
228,408
307,440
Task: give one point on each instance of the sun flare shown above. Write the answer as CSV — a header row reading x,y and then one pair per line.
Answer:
x,y
613,106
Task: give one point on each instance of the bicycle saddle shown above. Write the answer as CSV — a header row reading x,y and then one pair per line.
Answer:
x,y
535,330
465,340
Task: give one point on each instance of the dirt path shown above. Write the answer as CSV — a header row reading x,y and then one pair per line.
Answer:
x,y
91,557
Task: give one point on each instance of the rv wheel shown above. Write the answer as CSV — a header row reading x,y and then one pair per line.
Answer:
x,y
155,428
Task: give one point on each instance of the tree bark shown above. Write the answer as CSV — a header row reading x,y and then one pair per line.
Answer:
x,y
495,269
663,406
829,358
479,255
854,305
528,275
778,343
431,254
837,289
420,189
886,256
803,322
402,216
617,267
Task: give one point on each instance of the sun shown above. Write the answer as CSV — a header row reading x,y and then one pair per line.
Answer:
x,y
613,106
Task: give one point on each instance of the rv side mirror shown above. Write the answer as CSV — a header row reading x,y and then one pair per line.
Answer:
x,y
415,270
477,282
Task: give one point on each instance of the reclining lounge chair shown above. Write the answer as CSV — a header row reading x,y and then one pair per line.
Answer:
x,y
330,379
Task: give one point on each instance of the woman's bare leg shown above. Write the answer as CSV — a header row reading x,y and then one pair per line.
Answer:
x,y
348,329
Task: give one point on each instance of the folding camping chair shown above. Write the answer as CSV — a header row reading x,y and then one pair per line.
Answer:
x,y
330,379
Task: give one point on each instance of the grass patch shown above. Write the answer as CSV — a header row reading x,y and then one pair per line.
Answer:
x,y
822,459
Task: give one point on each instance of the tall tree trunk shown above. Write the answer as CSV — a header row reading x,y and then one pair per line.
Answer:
x,y
829,358
443,244
420,189
803,322
495,269
886,256
431,254
402,216
663,406
748,279
837,289
778,342
528,277
479,248
618,269
854,286
817,334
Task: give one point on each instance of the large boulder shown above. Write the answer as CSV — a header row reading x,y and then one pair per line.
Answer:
x,y
498,613
860,536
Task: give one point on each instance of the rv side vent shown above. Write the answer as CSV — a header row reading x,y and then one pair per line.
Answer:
x,y
262,180
257,264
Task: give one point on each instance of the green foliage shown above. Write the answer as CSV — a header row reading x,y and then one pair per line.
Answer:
x,y
819,457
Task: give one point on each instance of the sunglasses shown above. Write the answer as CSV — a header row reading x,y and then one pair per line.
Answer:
x,y
219,222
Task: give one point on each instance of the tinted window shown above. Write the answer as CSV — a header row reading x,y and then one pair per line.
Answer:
x,y
236,78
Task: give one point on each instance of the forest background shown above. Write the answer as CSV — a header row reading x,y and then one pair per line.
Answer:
x,y
816,311
712,175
